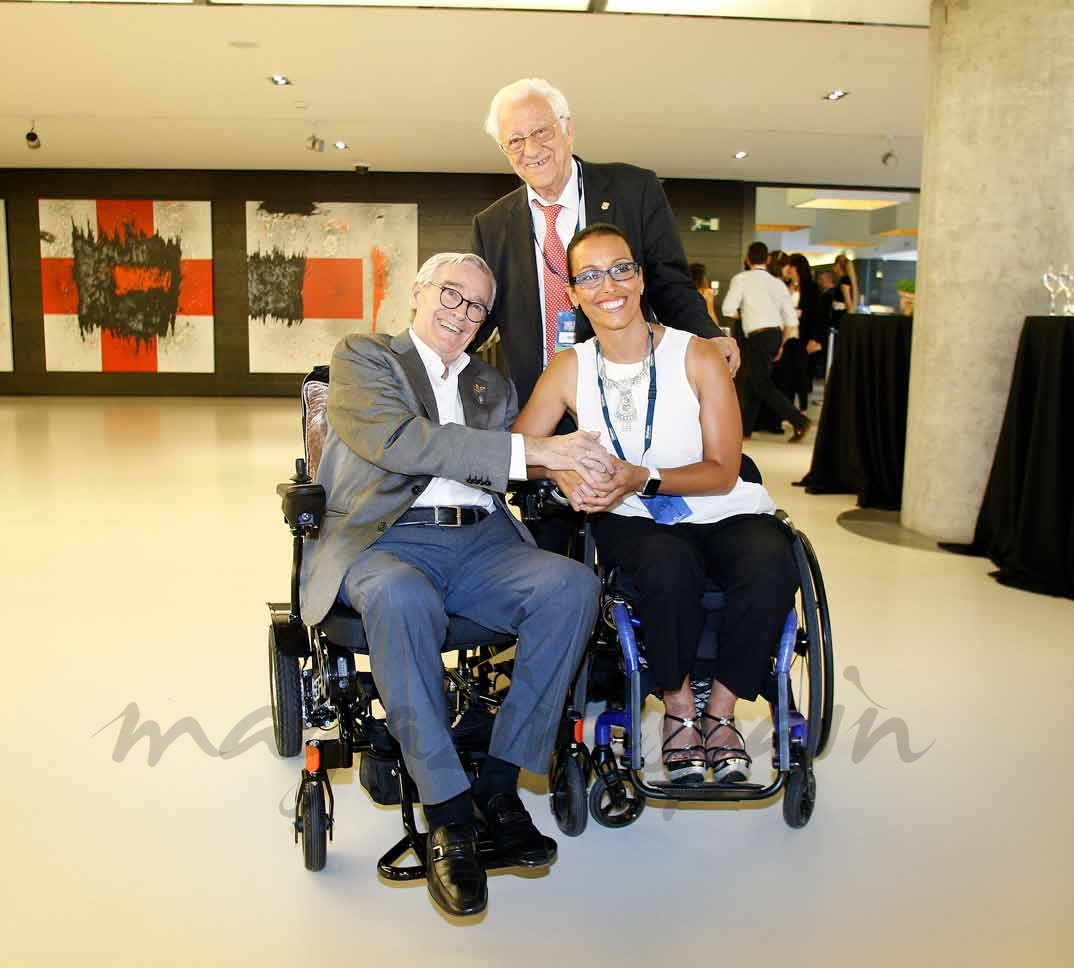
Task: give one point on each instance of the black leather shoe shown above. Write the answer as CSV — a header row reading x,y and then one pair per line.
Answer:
x,y
453,872
513,833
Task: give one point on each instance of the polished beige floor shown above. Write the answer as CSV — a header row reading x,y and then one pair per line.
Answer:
x,y
141,540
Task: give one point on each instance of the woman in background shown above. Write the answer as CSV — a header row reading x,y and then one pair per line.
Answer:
x,y
846,282
700,276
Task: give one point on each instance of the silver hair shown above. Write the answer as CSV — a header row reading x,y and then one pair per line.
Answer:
x,y
519,90
434,262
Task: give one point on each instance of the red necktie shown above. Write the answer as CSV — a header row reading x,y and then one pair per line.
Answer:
x,y
555,277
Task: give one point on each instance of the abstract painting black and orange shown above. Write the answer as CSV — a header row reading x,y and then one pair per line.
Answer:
x,y
320,270
127,285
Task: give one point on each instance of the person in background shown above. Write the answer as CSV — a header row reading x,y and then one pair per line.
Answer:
x,y
768,320
826,300
846,282
799,352
700,276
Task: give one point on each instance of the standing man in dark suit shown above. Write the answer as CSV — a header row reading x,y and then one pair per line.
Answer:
x,y
417,453
523,237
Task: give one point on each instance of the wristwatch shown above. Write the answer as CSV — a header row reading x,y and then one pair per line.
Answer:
x,y
652,486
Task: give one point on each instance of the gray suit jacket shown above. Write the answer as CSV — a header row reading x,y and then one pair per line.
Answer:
x,y
385,443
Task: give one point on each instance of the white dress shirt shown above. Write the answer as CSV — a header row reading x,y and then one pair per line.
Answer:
x,y
763,299
571,218
442,491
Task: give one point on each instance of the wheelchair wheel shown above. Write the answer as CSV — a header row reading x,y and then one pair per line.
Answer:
x,y
815,690
615,804
285,690
800,796
567,797
826,656
314,828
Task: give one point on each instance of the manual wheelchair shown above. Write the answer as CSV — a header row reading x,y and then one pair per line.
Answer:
x,y
614,670
315,684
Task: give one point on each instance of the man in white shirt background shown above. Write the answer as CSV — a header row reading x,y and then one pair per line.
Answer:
x,y
768,320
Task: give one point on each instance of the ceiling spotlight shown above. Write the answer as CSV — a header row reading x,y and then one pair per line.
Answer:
x,y
889,159
739,155
835,95
280,80
313,143
342,146
33,139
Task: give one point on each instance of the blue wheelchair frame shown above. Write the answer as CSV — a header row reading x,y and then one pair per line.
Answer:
x,y
620,788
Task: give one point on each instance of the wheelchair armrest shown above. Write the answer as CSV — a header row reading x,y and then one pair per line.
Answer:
x,y
303,506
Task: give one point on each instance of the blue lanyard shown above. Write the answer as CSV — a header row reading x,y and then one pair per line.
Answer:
x,y
577,229
652,400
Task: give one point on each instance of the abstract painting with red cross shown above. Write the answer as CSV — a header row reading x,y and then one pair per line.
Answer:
x,y
318,271
127,285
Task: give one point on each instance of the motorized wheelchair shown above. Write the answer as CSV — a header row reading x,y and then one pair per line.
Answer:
x,y
314,683
799,689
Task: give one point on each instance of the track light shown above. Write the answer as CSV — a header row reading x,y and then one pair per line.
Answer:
x,y
313,143
33,139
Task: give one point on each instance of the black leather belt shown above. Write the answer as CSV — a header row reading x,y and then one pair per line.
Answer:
x,y
765,329
444,517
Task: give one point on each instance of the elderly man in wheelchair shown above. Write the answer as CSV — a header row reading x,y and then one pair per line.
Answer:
x,y
415,538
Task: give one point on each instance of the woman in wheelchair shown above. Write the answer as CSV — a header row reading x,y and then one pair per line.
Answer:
x,y
674,512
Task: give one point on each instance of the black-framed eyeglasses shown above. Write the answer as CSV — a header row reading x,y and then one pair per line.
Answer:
x,y
593,278
545,133
453,299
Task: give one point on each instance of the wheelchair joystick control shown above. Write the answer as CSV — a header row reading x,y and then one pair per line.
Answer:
x,y
301,476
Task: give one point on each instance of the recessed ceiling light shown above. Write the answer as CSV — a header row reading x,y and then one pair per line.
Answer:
x,y
243,44
280,80
739,155
342,146
835,95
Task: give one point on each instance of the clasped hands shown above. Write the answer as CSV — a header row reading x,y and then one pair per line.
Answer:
x,y
597,481
590,478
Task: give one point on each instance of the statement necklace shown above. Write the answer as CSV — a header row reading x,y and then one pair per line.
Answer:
x,y
626,411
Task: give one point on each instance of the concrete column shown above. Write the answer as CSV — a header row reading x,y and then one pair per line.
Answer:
x,y
997,206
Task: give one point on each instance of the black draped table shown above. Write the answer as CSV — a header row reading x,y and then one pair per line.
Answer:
x,y
861,437
1026,522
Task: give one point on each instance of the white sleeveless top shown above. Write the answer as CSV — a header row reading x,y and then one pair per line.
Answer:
x,y
676,427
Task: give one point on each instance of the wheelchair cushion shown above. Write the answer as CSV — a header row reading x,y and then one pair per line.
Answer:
x,y
343,627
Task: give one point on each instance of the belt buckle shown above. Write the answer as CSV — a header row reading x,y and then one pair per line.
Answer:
x,y
458,517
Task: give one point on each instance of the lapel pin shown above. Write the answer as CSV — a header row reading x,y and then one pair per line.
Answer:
x,y
479,392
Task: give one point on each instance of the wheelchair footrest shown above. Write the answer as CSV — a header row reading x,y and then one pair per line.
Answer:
x,y
388,867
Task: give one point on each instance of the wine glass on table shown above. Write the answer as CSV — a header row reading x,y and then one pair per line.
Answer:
x,y
1066,284
1051,283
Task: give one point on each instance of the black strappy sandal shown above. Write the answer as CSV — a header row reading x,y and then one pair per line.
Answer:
x,y
730,764
683,769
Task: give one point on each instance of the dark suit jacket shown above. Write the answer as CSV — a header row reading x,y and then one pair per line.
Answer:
x,y
385,443
629,198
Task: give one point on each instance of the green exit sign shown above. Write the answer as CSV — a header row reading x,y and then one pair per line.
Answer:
x,y
698,224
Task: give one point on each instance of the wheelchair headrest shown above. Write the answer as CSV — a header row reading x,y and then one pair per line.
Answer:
x,y
314,416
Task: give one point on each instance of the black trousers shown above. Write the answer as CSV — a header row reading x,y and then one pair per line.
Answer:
x,y
792,374
748,556
755,384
